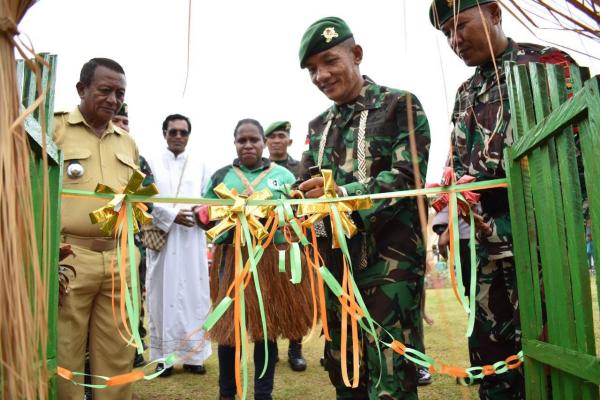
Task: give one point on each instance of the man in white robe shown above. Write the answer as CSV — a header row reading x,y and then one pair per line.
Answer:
x,y
177,278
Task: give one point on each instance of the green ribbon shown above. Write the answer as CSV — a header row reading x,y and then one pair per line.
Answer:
x,y
281,260
295,262
217,313
227,202
254,271
344,247
467,303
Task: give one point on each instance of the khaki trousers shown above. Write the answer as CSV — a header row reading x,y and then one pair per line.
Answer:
x,y
89,306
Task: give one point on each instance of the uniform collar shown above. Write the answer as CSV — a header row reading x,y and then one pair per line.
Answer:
x,y
264,165
76,118
289,161
370,97
509,54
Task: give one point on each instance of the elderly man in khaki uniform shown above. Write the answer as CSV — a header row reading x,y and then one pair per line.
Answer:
x,y
94,151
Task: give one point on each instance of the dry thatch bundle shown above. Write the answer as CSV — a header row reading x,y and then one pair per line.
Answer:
x,y
23,297
580,16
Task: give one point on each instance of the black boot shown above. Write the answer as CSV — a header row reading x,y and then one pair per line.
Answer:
x,y
297,362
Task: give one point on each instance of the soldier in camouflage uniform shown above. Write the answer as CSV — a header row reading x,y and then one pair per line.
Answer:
x,y
482,130
364,139
278,142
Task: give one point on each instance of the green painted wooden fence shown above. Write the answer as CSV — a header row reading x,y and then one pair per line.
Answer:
x,y
28,93
552,131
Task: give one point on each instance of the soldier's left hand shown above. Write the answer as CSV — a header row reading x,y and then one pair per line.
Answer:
x,y
482,226
313,188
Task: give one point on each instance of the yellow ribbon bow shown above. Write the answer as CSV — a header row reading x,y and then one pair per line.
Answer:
x,y
318,211
228,215
108,215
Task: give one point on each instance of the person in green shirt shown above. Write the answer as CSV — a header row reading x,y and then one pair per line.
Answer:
x,y
287,306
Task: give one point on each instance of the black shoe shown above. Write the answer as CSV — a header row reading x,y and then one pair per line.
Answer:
x,y
424,376
167,371
138,360
297,362
195,369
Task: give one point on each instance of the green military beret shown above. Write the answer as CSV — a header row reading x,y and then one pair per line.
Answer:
x,y
123,111
322,35
278,126
442,10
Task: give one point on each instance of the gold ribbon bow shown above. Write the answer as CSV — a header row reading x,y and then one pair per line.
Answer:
x,y
108,215
318,211
228,215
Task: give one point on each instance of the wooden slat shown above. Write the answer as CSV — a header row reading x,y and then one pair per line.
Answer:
x,y
575,230
550,222
529,312
590,149
551,125
570,361
524,247
31,124
526,112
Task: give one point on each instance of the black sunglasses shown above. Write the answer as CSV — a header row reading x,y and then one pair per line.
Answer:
x,y
181,132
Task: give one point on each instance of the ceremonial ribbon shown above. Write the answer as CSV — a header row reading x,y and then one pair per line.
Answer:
x,y
459,205
348,294
228,215
248,230
317,211
121,218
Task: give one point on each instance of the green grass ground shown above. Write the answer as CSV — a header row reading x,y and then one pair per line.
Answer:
x,y
445,341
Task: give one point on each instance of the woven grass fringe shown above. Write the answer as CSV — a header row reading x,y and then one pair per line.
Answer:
x,y
23,293
287,306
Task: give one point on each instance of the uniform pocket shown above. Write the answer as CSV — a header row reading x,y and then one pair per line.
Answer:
x,y
73,158
128,166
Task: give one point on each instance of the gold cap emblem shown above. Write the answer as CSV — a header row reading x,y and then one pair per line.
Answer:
x,y
450,3
329,34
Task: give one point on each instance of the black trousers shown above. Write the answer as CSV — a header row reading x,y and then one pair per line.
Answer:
x,y
263,388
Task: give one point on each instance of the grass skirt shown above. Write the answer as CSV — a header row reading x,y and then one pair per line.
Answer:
x,y
288,307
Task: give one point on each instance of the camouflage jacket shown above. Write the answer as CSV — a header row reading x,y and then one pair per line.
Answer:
x,y
482,130
148,180
391,227
290,164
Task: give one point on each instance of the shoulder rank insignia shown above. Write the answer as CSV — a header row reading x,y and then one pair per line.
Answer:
x,y
329,34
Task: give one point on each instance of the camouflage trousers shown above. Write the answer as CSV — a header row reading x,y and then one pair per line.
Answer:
x,y
497,331
396,307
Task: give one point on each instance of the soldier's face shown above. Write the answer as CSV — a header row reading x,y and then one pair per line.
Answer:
x,y
103,97
278,143
121,121
249,145
466,34
177,135
336,72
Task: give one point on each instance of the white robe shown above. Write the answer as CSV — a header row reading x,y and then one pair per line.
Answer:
x,y
177,284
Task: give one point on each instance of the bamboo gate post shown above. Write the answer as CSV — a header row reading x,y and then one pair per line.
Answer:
x,y
27,86
554,156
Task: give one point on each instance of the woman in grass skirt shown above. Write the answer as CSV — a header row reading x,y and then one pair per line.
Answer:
x,y
288,308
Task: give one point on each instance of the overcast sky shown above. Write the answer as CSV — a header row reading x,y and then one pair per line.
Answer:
x,y
244,61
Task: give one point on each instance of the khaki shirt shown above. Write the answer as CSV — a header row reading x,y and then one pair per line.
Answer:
x,y
110,159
